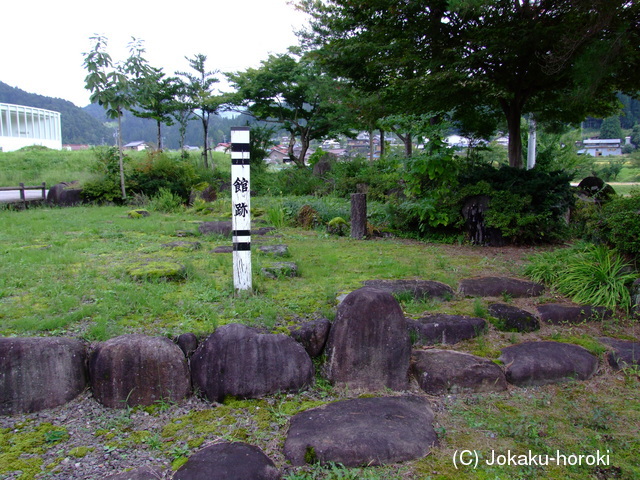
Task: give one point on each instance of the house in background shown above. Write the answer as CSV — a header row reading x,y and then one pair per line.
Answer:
x,y
22,126
601,147
138,146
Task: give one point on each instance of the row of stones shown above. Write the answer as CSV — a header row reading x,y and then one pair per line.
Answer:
x,y
368,347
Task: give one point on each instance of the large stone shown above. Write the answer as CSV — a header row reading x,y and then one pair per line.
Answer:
x,y
439,372
136,369
557,313
362,432
140,473
499,286
369,345
541,363
280,269
188,343
623,353
445,329
312,335
222,228
275,250
40,372
228,461
514,319
237,360
417,289
65,194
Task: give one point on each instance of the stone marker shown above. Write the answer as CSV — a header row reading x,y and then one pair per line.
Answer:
x,y
228,461
362,432
369,345
132,370
541,363
40,372
439,372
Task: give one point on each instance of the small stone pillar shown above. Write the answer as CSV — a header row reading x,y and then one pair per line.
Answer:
x,y
358,215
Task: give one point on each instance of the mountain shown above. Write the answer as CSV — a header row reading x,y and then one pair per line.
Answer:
x,y
78,126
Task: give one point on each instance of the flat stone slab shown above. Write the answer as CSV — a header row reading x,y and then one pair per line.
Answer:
x,y
223,249
419,289
280,269
445,329
514,319
499,286
623,354
228,461
275,250
439,372
222,228
364,431
183,246
541,363
558,313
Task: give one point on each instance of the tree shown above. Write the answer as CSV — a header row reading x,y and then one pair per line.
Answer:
x,y
611,128
294,93
111,85
155,99
202,102
479,60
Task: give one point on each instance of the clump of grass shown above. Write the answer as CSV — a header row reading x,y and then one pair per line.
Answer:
x,y
588,274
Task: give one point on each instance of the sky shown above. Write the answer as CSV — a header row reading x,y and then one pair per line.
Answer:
x,y
42,42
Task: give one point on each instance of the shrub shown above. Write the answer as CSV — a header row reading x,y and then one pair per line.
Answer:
x,y
619,224
166,201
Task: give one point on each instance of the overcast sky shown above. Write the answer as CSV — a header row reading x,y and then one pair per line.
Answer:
x,y
42,41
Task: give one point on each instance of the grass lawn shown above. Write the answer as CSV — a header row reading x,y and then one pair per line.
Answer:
x,y
64,272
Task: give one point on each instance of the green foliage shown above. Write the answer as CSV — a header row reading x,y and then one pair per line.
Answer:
x,y
611,128
105,184
618,224
589,274
166,201
527,206
159,171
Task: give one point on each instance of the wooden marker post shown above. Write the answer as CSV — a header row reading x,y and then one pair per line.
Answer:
x,y
241,207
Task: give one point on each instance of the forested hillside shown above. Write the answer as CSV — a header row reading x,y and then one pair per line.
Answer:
x,y
78,126
90,125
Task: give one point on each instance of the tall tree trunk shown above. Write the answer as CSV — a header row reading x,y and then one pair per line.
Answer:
x,y
205,148
120,156
513,114
382,143
371,146
159,135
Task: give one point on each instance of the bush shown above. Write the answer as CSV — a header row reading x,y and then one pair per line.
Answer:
x,y
526,206
166,201
618,223
159,171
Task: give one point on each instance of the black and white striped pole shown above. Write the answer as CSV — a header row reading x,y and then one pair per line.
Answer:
x,y
241,207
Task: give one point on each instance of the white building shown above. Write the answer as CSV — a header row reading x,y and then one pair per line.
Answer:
x,y
601,147
22,126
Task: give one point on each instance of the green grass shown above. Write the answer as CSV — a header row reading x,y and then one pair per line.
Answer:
x,y
64,271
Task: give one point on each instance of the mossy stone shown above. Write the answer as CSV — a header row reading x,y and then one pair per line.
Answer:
x,y
157,270
138,213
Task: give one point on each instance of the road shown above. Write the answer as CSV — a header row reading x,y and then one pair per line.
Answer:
x,y
14,195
